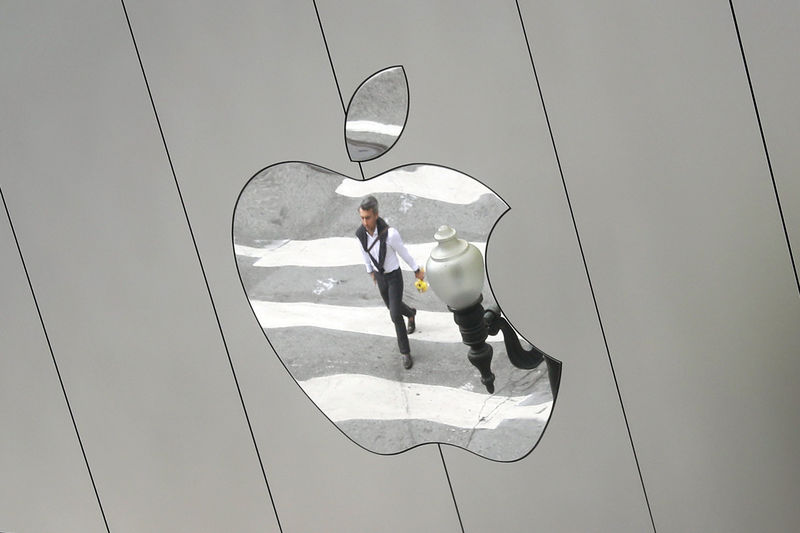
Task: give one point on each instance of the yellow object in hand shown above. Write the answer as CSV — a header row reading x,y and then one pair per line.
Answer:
x,y
421,285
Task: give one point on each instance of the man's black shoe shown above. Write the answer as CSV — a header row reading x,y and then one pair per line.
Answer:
x,y
407,361
412,324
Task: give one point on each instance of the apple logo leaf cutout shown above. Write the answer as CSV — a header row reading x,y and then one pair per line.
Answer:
x,y
304,276
376,114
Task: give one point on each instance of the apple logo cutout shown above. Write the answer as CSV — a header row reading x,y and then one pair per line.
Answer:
x,y
304,276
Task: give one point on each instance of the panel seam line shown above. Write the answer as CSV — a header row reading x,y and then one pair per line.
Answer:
x,y
586,266
764,143
200,261
335,78
55,363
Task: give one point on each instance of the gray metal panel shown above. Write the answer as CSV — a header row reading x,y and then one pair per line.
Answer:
x,y
46,486
656,131
109,253
239,88
474,107
771,41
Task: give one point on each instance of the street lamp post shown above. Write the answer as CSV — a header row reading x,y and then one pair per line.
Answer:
x,y
455,271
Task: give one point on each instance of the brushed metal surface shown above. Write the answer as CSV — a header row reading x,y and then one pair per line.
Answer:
x,y
121,292
657,135
46,486
770,41
661,153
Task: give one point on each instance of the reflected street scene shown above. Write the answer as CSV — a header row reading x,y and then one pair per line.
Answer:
x,y
376,114
324,307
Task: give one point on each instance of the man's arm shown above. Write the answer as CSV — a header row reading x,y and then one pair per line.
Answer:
x,y
394,240
365,255
367,261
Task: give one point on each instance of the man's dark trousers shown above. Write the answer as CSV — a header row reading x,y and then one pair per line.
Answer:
x,y
390,285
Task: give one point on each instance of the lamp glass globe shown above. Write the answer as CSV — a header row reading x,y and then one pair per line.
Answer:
x,y
455,270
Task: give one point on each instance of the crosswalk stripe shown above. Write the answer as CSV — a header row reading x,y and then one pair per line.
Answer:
x,y
370,126
327,252
431,326
356,396
255,252
425,181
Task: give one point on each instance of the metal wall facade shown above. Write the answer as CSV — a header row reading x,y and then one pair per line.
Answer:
x,y
654,192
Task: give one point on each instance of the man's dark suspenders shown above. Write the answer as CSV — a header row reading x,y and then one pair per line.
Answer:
x,y
362,235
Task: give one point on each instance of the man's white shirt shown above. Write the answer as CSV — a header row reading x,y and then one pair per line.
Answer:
x,y
395,246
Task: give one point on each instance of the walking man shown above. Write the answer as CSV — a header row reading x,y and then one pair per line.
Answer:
x,y
380,245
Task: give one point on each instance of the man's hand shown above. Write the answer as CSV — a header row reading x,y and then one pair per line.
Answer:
x,y
420,274
373,278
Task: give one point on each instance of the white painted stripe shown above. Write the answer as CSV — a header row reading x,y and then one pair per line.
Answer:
x,y
431,326
250,251
329,252
247,251
359,397
370,126
426,181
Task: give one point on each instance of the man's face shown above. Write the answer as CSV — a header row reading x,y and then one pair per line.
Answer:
x,y
368,219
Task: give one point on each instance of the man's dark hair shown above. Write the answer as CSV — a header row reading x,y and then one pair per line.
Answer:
x,y
369,203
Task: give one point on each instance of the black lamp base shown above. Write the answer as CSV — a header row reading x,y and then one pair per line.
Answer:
x,y
476,324
474,333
